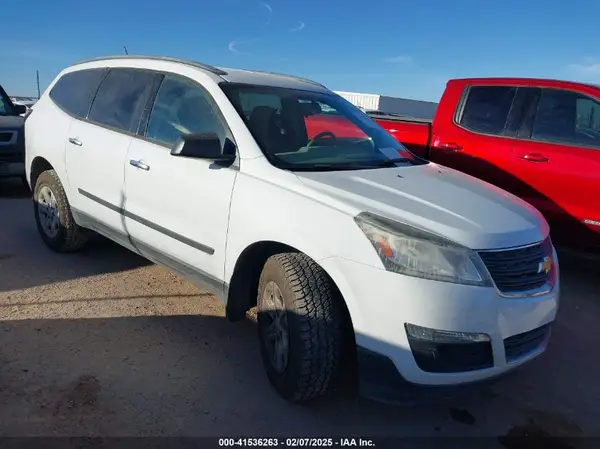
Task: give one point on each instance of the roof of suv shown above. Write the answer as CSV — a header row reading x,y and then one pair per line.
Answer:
x,y
226,74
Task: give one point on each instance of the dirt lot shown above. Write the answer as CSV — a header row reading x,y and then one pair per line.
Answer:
x,y
105,343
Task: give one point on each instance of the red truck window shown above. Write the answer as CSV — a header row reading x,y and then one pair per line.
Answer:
x,y
327,119
486,109
567,117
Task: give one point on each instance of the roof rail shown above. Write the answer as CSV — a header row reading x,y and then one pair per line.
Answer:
x,y
306,80
199,65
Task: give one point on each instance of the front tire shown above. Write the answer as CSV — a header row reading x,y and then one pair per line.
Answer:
x,y
53,215
300,324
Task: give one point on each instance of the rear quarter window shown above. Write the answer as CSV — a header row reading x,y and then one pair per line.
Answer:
x,y
74,91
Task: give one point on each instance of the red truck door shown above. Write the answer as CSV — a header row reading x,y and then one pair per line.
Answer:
x,y
558,156
474,138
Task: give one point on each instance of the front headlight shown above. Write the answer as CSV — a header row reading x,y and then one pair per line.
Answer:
x,y
414,252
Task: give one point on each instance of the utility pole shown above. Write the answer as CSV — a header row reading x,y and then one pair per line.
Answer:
x,y
37,75
126,52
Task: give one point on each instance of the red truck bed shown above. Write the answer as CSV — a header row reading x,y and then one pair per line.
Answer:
x,y
413,133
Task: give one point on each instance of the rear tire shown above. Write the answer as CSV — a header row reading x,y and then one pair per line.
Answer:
x,y
300,303
53,215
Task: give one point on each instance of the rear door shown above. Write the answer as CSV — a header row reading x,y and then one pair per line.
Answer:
x,y
476,140
71,98
97,146
558,156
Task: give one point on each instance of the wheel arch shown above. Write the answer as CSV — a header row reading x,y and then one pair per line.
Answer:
x,y
243,286
39,165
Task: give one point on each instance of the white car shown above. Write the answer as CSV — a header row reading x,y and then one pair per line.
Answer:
x,y
356,252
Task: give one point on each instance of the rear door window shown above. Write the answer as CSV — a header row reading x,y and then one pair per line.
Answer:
x,y
486,109
121,98
567,117
74,91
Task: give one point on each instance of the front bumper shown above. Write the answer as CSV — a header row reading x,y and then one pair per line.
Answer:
x,y
380,380
381,303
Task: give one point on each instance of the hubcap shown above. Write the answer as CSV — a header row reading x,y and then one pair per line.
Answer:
x,y
276,329
48,212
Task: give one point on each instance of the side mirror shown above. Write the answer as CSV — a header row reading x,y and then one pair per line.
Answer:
x,y
204,146
20,109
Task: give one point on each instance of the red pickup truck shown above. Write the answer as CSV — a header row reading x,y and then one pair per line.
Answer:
x,y
538,139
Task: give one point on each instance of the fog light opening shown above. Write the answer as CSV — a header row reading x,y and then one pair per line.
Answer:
x,y
440,336
440,351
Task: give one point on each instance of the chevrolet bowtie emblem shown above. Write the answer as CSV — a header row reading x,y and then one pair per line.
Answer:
x,y
545,266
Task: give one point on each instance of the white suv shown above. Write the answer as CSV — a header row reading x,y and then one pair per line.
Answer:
x,y
271,190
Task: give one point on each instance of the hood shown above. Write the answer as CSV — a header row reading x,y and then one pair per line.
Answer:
x,y
11,122
444,201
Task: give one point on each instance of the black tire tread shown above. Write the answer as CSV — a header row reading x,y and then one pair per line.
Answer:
x,y
319,324
74,237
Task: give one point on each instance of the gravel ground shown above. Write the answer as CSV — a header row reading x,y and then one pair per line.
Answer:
x,y
104,343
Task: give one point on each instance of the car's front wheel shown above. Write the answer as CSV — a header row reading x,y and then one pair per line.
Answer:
x,y
301,325
53,215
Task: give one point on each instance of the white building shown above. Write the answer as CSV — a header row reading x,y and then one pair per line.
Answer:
x,y
402,106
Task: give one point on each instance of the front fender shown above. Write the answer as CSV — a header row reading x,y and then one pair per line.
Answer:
x,y
263,212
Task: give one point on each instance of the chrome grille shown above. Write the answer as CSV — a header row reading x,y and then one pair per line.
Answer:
x,y
520,270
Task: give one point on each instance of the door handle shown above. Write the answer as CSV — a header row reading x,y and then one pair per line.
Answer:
x,y
75,141
447,147
534,157
139,164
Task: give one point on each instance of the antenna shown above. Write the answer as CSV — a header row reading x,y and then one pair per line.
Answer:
x,y
37,74
125,48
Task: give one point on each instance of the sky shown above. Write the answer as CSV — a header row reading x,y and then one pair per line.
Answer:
x,y
401,48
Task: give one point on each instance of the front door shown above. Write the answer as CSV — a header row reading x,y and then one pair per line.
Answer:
x,y
177,208
477,143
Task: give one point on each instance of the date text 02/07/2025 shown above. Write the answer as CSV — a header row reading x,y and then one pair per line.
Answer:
x,y
296,442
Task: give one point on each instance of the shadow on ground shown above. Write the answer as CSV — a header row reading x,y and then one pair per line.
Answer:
x,y
26,262
201,375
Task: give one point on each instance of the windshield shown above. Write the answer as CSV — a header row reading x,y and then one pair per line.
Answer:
x,y
311,131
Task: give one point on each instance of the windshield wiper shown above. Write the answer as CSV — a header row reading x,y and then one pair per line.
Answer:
x,y
350,166
331,167
393,162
